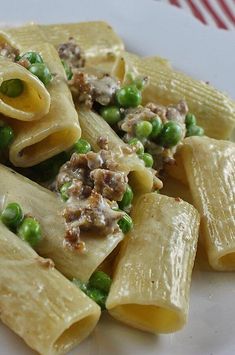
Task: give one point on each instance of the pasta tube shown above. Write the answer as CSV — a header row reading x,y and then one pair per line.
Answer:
x,y
93,127
214,110
56,131
150,288
97,39
23,37
210,168
33,103
38,303
177,170
47,208
174,188
59,129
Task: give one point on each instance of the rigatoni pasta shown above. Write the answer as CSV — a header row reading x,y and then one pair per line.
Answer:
x,y
210,168
112,125
150,289
38,303
34,101
56,131
102,52
214,110
48,209
59,129
107,43
93,127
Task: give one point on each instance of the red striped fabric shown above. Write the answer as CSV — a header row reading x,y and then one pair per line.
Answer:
x,y
196,11
175,2
227,10
220,23
220,13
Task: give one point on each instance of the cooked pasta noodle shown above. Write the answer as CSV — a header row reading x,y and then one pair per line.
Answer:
x,y
214,110
99,131
150,290
38,303
33,103
210,168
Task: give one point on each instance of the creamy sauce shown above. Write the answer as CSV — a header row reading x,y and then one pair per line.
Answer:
x,y
95,187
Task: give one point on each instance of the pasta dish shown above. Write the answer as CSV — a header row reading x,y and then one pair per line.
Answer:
x,y
114,170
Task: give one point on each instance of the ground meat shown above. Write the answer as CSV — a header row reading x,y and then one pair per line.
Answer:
x,y
159,110
103,143
171,112
93,193
132,117
81,89
182,107
93,213
72,239
72,54
87,89
110,184
46,263
7,51
178,199
95,161
175,113
104,89
24,62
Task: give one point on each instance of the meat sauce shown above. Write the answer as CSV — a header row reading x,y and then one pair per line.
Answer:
x,y
95,187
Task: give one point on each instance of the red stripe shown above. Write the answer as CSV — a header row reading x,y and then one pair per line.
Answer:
x,y
227,10
196,11
175,2
220,23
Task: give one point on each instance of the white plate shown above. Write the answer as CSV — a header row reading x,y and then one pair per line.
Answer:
x,y
151,28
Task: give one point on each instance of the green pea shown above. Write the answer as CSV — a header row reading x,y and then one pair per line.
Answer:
x,y
67,70
140,83
171,134
12,215
6,136
156,127
129,96
148,159
42,72
194,131
80,284
190,120
64,191
101,281
81,146
12,87
30,231
111,114
97,296
143,129
138,144
125,223
127,198
32,57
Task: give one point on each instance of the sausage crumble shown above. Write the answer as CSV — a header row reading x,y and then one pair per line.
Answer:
x,y
175,113
95,187
72,54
